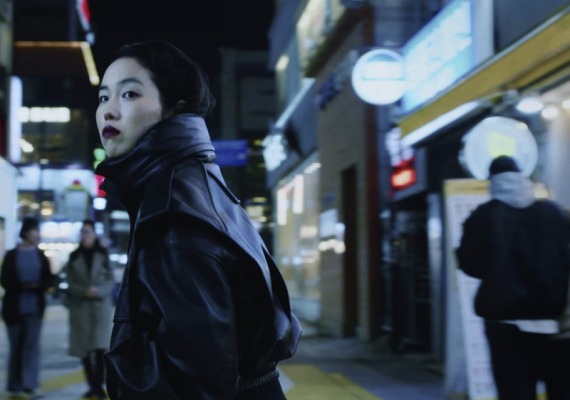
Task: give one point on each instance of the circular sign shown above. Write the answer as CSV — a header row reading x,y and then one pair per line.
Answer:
x,y
497,136
378,77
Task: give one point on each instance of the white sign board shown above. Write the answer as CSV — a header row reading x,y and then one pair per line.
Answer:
x,y
378,77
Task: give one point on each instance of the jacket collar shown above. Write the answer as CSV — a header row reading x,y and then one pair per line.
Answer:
x,y
164,146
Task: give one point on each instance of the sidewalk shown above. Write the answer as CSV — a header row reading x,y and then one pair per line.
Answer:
x,y
322,369
370,367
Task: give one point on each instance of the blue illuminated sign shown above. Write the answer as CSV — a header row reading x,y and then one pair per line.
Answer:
x,y
439,54
231,153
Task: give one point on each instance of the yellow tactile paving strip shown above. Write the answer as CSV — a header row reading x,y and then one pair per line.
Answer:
x,y
311,383
54,384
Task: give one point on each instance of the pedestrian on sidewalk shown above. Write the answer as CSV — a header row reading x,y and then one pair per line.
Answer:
x,y
518,247
203,311
26,277
89,300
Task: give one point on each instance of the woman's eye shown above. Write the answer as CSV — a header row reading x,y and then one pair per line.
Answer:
x,y
103,99
129,95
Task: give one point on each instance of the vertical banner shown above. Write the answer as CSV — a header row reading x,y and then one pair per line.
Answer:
x,y
467,357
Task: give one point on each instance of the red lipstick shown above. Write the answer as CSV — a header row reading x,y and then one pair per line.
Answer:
x,y
109,131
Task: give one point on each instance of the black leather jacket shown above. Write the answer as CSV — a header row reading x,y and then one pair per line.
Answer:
x,y
202,308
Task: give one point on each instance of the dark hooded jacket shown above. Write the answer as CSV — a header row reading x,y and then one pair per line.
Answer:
x,y
519,248
203,311
14,287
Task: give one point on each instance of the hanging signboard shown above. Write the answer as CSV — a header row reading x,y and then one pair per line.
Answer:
x,y
378,77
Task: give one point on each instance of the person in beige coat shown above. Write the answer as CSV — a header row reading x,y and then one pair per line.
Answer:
x,y
91,280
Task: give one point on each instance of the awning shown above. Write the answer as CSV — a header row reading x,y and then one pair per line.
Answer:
x,y
541,53
54,59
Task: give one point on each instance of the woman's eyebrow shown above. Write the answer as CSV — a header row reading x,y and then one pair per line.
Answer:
x,y
122,82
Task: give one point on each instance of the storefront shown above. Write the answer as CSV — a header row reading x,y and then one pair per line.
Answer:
x,y
297,237
8,200
524,82
293,177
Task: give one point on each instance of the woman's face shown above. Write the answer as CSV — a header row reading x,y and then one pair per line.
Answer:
x,y
129,105
88,236
32,236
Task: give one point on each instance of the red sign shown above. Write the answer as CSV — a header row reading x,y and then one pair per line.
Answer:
x,y
403,175
84,14
99,180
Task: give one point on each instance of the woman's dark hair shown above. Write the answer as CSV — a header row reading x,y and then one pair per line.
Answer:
x,y
176,76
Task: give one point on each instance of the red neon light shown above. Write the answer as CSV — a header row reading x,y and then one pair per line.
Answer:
x,y
98,181
403,178
85,11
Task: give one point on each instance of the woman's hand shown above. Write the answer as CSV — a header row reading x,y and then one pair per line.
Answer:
x,y
92,292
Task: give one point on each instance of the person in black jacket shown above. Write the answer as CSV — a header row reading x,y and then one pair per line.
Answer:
x,y
203,312
26,277
518,247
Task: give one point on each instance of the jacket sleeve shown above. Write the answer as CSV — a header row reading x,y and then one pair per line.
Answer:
x,y
47,277
186,305
471,251
7,275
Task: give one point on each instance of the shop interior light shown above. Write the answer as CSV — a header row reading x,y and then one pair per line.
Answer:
x,y
119,215
550,112
99,203
530,105
566,104
282,63
298,194
26,146
282,206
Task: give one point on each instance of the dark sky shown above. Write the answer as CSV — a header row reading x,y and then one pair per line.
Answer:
x,y
200,28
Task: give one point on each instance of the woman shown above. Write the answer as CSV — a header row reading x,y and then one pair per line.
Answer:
x,y
89,300
26,276
203,312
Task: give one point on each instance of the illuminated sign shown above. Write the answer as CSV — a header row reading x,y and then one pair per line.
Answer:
x,y
274,150
84,14
378,77
403,175
496,136
231,153
44,114
445,49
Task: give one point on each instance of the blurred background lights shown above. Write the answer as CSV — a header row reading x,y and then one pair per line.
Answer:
x,y
530,105
550,112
